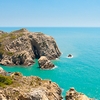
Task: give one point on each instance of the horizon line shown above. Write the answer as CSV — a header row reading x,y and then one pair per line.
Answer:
x,y
55,26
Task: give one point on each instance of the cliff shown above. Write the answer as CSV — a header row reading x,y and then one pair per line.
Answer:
x,y
15,86
21,47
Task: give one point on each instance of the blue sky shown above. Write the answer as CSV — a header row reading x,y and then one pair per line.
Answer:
x,y
50,13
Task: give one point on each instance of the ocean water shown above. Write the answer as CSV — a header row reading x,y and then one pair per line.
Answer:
x,y
82,71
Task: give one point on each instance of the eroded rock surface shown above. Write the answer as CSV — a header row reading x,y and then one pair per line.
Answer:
x,y
30,88
44,63
72,94
28,46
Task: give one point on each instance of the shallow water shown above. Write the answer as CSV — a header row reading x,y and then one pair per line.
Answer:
x,y
82,71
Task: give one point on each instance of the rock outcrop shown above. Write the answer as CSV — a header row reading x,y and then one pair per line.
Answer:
x,y
72,94
29,88
70,55
21,47
44,63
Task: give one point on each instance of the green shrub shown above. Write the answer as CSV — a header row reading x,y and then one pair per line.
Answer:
x,y
5,80
13,37
4,35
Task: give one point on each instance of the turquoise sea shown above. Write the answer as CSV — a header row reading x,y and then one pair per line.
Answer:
x,y
82,71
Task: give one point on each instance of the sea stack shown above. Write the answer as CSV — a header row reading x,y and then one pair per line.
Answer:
x,y
70,55
44,63
21,47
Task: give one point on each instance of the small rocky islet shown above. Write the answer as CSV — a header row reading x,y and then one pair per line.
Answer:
x,y
21,47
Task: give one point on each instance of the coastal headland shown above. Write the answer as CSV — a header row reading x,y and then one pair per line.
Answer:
x,y
21,47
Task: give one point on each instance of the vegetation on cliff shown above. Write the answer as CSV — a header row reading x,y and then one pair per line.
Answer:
x,y
6,38
5,80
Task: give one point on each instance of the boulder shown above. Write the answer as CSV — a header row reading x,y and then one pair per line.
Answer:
x,y
38,94
70,55
44,63
72,94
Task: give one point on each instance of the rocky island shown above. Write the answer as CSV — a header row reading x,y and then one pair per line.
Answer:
x,y
21,47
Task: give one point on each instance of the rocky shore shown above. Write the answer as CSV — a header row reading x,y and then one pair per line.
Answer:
x,y
72,94
21,47
15,86
27,88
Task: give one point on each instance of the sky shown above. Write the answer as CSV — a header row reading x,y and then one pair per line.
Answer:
x,y
50,13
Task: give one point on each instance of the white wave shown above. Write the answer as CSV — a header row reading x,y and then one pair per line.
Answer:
x,y
62,89
57,58
54,67
51,68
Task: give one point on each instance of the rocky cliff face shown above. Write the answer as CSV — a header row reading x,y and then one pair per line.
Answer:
x,y
29,88
21,47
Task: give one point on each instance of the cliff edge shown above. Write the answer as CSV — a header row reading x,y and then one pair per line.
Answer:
x,y
21,47
15,86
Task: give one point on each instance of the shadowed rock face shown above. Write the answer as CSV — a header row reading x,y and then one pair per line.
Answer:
x,y
21,47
